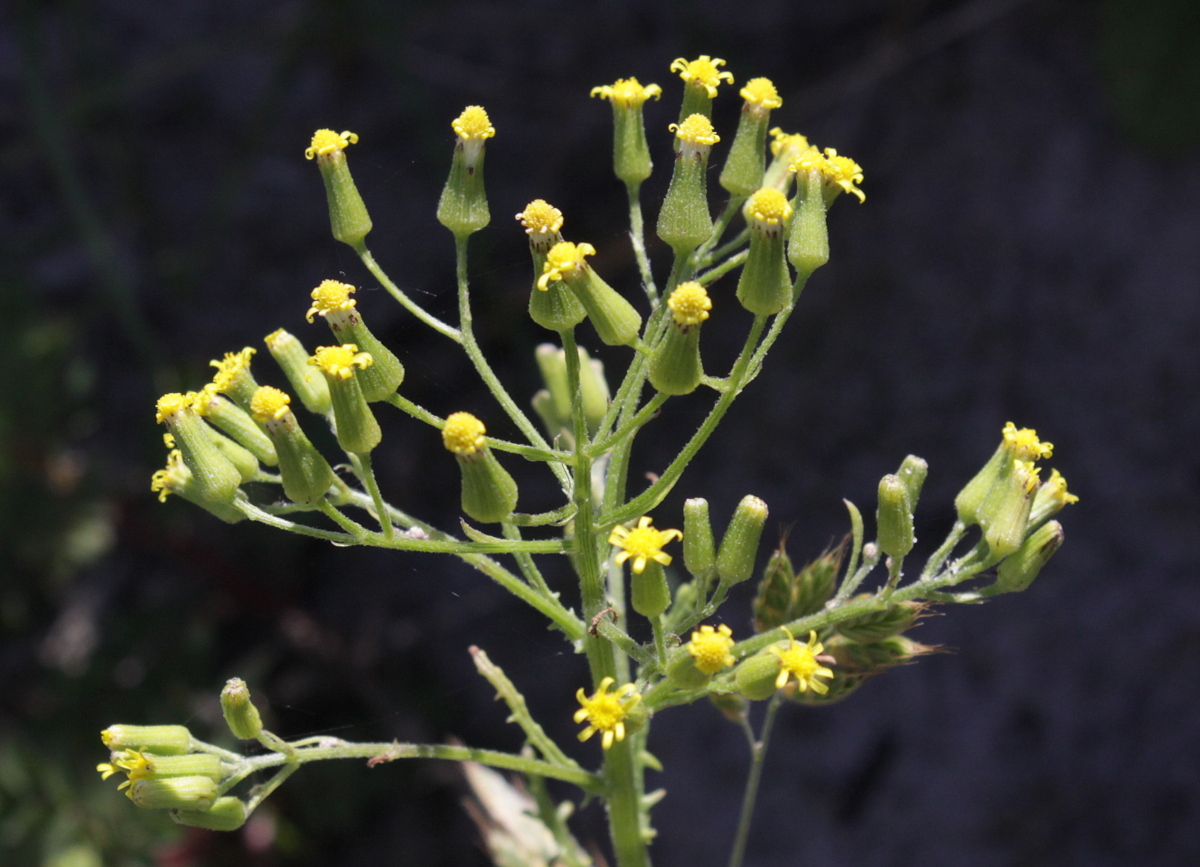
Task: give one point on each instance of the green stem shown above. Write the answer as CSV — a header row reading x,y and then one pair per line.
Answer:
x,y
719,226
413,307
529,452
367,474
360,533
738,240
525,562
256,514
724,268
660,642
758,752
637,236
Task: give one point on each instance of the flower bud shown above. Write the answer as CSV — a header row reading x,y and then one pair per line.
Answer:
x,y
698,546
593,388
292,357
244,462
177,479
912,472
214,475
743,172
631,154
776,591
808,243
815,582
348,217
765,287
168,740
684,221
306,474
1051,498
756,676
489,493
615,319
1017,571
649,593
240,713
332,301
739,546
233,376
226,814
1004,513
786,148
894,518
878,625
357,430
552,306
675,366
173,793
234,421
463,207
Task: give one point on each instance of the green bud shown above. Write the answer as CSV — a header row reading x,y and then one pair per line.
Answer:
x,y
190,765
894,518
214,475
168,740
684,221
348,217
226,814
912,472
1051,498
240,713
176,478
380,380
306,474
292,357
174,793
743,172
463,207
698,546
682,671
814,583
489,493
808,245
614,318
357,430
675,366
236,422
756,676
1004,513
765,287
631,154
1017,571
878,625
543,404
776,590
551,362
739,546
245,463
594,386
556,307
701,78
971,497
649,594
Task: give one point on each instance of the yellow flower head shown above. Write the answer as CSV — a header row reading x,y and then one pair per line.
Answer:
x,y
473,123
605,712
696,129
230,368
799,661
171,404
563,261
702,72
1027,472
761,94
463,433
132,762
326,141
642,543
330,295
689,303
767,207
541,218
843,171
269,404
175,475
710,648
1056,486
1024,444
340,361
788,146
627,92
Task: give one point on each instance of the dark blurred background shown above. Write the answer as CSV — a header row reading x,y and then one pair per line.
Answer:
x,y
1029,250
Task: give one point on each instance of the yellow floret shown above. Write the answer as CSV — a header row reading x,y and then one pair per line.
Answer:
x,y
800,661
167,481
463,433
541,218
843,171
1024,443
473,123
229,368
330,295
172,404
702,72
689,303
768,206
627,92
788,145
340,361
326,141
761,93
269,404
696,129
605,712
710,648
643,543
563,261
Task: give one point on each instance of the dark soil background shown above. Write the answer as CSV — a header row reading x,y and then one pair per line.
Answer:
x,y
1029,250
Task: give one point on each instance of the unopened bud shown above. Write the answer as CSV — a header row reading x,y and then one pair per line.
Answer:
x,y
226,814
894,518
739,546
240,713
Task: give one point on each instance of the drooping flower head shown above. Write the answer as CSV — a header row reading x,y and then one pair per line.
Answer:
x,y
463,433
605,712
642,544
330,295
837,170
564,261
340,361
799,661
627,92
702,72
760,95
710,648
326,141
689,303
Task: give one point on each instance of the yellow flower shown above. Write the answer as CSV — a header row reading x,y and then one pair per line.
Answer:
x,y
1025,445
800,661
269,404
175,475
627,92
642,543
710,648
689,303
473,123
761,94
605,712
172,404
564,260
230,368
702,72
326,141
340,361
463,433
1056,489
696,129
768,206
541,218
330,295
132,762
788,144
843,171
